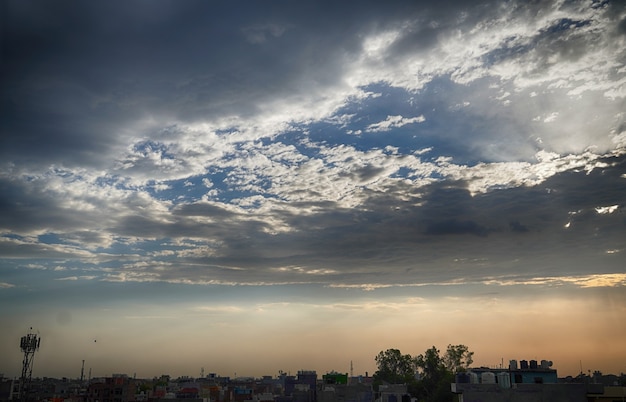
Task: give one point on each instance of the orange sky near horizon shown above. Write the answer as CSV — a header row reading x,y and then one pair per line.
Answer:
x,y
256,340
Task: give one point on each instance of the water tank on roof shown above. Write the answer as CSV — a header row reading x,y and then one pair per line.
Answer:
x,y
473,378
523,364
512,364
533,364
504,380
462,378
546,364
488,377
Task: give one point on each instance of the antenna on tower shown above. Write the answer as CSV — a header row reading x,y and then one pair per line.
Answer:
x,y
29,345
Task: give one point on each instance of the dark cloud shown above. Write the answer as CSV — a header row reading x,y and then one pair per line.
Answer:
x,y
24,207
401,228
203,209
74,77
456,227
77,80
621,27
395,228
518,227
366,173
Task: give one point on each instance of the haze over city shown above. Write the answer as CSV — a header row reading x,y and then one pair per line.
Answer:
x,y
250,186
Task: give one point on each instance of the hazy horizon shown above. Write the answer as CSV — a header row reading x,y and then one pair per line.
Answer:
x,y
260,186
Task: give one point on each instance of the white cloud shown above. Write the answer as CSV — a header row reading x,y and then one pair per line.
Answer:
x,y
551,117
207,182
77,278
394,122
607,210
221,310
35,266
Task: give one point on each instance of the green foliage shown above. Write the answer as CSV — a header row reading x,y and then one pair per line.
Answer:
x,y
428,376
436,379
394,368
458,358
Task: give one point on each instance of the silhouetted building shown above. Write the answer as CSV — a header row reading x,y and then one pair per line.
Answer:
x,y
302,388
609,394
6,388
531,382
335,378
305,381
111,389
392,393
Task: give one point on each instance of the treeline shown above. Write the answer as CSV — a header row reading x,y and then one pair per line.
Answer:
x,y
427,376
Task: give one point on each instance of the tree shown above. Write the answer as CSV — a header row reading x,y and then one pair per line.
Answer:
x,y
431,363
436,371
435,382
458,358
394,367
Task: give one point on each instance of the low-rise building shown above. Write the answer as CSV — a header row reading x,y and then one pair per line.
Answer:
x,y
111,389
7,386
526,383
609,394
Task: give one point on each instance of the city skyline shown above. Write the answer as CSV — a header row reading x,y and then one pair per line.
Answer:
x,y
86,370
253,186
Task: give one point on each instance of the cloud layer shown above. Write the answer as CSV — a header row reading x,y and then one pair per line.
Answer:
x,y
293,151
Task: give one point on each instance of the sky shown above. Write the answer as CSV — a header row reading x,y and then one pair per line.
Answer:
x,y
246,187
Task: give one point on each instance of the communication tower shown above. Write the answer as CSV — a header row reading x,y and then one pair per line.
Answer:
x,y
29,345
